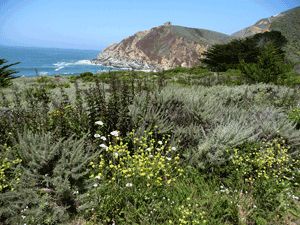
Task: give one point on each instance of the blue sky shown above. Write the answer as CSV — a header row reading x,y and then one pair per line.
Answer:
x,y
95,24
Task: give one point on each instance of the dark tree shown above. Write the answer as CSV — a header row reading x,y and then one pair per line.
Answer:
x,y
6,75
222,57
274,37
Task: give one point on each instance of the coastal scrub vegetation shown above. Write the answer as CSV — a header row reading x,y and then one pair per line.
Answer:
x,y
180,146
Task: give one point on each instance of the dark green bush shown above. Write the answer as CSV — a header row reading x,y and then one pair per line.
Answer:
x,y
86,74
51,86
178,70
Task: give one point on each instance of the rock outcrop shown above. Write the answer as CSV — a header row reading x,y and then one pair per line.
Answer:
x,y
162,47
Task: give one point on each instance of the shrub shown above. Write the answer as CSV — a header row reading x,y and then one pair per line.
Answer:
x,y
86,74
51,86
43,79
66,85
40,171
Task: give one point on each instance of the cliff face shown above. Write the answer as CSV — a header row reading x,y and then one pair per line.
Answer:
x,y
160,47
171,46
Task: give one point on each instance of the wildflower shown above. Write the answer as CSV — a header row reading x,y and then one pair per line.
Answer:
x,y
129,185
99,123
160,142
103,138
98,177
169,159
97,135
115,133
95,185
103,146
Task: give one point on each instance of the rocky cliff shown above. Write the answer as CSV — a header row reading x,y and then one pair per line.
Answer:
x,y
160,47
170,46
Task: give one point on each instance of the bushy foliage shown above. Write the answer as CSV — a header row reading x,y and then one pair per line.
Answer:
x,y
268,69
43,79
6,75
221,58
40,169
86,74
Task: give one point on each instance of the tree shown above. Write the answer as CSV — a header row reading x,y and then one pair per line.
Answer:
x,y
269,68
220,58
6,75
274,37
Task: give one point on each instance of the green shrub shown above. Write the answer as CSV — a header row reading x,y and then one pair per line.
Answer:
x,y
178,70
38,94
86,74
44,171
66,85
43,79
88,79
51,86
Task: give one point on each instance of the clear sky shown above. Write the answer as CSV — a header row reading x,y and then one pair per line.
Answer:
x,y
95,24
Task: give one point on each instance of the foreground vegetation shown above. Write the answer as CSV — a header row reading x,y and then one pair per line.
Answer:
x,y
182,146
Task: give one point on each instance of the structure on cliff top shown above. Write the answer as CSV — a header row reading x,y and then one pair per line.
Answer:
x,y
168,24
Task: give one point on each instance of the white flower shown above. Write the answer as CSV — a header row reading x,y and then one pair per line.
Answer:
x,y
95,185
116,154
149,149
169,159
97,135
158,149
173,148
98,177
115,133
150,156
103,138
160,142
103,146
129,185
99,123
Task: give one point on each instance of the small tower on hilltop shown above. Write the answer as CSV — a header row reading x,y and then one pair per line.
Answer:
x,y
168,24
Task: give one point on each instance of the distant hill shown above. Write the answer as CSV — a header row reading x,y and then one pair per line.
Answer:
x,y
168,46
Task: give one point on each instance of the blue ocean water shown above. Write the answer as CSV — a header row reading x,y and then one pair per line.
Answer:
x,y
50,61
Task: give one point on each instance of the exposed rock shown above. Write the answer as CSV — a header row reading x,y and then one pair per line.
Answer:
x,y
155,49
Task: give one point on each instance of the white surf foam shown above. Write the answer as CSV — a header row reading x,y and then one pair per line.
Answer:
x,y
61,65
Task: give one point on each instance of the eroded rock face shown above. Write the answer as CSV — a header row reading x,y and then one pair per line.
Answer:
x,y
152,49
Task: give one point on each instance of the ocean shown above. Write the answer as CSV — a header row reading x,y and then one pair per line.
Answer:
x,y
51,61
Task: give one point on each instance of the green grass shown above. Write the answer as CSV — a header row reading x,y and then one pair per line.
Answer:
x,y
151,171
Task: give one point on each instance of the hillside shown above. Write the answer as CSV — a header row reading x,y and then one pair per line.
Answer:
x,y
169,46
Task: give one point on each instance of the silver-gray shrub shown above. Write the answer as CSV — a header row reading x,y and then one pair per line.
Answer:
x,y
235,115
58,168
